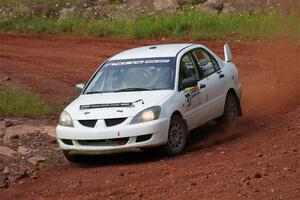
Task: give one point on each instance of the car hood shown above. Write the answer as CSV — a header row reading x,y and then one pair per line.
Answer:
x,y
140,101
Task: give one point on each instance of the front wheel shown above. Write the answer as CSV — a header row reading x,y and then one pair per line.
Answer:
x,y
177,137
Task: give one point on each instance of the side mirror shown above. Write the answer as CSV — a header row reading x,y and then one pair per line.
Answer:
x,y
189,82
227,53
79,87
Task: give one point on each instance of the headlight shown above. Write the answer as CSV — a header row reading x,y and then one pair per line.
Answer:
x,y
65,119
149,114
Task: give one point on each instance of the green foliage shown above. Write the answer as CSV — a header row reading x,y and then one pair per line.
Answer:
x,y
116,1
17,102
180,25
39,2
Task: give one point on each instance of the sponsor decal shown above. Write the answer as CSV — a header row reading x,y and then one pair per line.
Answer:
x,y
106,105
137,62
190,94
194,97
110,105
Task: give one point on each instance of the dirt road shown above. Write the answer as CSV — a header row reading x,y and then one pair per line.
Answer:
x,y
260,159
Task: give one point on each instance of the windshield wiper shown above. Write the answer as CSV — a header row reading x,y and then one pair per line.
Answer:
x,y
93,92
132,89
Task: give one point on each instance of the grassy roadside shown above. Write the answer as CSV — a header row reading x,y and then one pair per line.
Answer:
x,y
16,102
180,25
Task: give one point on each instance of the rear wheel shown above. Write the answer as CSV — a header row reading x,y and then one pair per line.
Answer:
x,y
73,158
231,110
177,137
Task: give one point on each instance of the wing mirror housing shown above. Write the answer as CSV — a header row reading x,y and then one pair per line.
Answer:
x,y
227,53
79,87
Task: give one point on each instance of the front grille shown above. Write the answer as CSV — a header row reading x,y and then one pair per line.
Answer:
x,y
107,142
88,123
115,121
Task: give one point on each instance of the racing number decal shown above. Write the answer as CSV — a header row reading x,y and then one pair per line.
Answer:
x,y
188,98
190,95
194,97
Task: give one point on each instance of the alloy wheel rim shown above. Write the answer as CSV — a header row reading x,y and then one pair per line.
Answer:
x,y
176,136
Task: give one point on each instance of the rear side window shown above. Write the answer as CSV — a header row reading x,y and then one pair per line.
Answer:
x,y
206,62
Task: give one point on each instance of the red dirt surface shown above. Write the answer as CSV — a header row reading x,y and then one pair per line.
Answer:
x,y
259,159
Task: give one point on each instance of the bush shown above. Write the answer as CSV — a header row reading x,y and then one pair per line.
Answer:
x,y
180,25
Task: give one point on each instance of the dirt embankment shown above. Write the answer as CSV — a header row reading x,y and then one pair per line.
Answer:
x,y
258,160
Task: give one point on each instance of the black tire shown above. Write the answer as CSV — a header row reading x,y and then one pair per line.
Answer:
x,y
231,110
177,137
73,158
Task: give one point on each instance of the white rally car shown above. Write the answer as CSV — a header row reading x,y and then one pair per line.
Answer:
x,y
150,96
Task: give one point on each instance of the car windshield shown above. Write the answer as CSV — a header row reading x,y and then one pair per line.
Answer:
x,y
133,75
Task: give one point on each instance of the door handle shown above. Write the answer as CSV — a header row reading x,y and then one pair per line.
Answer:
x,y
202,86
221,75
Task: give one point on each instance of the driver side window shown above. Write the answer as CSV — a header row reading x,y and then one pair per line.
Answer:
x,y
187,71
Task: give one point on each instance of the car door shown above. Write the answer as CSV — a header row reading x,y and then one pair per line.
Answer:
x,y
195,99
212,83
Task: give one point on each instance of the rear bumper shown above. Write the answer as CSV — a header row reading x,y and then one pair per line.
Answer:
x,y
158,129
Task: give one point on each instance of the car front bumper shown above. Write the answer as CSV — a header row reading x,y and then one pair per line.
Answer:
x,y
103,140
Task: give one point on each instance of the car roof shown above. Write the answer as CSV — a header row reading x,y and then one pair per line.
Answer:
x,y
152,51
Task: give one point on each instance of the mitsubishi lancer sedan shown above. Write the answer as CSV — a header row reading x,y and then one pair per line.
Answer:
x,y
151,96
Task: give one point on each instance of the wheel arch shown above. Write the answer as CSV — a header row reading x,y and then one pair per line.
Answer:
x,y
178,113
233,92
